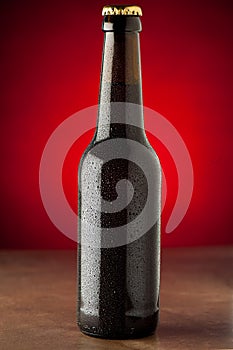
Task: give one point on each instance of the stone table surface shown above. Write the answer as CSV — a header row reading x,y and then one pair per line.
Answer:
x,y
38,302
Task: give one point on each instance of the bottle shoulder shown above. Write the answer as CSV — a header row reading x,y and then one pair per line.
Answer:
x,y
107,149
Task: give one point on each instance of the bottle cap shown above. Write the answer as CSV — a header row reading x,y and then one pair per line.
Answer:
x,y
122,10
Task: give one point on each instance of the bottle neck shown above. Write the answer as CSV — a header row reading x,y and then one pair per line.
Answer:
x,y
120,84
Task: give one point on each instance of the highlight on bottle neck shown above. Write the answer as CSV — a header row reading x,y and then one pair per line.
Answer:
x,y
122,18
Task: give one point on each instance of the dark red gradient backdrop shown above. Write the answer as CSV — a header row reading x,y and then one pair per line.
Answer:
x,y
50,68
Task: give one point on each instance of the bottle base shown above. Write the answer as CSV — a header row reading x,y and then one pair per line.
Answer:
x,y
135,327
118,337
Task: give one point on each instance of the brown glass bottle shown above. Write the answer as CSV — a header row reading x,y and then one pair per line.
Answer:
x,y
119,248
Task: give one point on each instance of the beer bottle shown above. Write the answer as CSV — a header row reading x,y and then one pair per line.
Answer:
x,y
119,197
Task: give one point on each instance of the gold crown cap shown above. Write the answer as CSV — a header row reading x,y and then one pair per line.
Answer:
x,y
122,10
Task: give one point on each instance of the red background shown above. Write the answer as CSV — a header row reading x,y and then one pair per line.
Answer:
x,y
51,57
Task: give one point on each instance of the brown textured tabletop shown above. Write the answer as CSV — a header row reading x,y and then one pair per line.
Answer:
x,y
38,302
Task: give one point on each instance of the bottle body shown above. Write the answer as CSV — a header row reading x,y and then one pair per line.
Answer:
x,y
119,205
118,285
